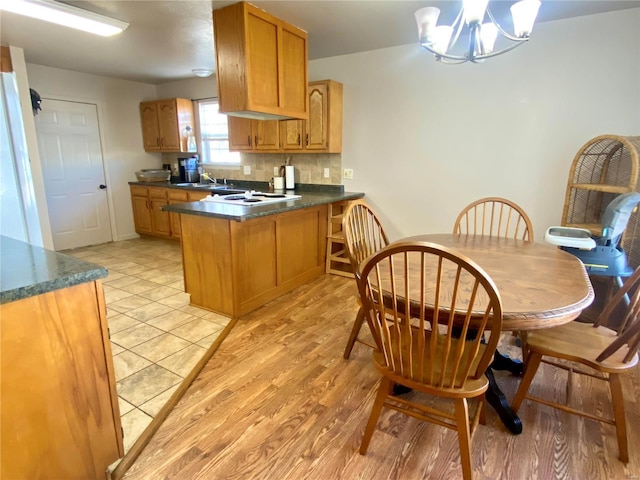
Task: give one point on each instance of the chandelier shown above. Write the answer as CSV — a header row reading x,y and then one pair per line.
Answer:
x,y
441,39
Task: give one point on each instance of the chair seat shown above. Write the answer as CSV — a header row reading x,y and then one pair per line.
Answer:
x,y
582,343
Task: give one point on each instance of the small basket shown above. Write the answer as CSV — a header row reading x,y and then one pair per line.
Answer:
x,y
153,175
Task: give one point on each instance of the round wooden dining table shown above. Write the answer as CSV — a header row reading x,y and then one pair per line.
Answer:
x,y
541,286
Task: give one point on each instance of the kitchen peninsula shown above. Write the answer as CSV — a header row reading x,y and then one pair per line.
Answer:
x,y
60,416
237,258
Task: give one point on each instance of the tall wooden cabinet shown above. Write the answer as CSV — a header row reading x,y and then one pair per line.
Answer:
x,y
164,123
261,64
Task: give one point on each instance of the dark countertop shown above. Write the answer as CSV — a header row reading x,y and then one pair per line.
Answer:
x,y
28,270
241,213
245,185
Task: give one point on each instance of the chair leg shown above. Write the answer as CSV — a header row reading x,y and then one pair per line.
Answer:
x,y
383,390
618,414
355,330
464,437
482,405
531,367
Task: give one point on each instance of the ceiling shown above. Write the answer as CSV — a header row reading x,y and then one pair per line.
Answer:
x,y
167,39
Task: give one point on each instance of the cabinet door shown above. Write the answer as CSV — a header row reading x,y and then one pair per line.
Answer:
x,y
168,125
174,221
150,128
316,129
262,60
141,214
266,134
293,89
239,133
175,196
160,221
291,134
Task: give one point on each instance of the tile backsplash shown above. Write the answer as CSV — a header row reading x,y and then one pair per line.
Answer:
x,y
309,168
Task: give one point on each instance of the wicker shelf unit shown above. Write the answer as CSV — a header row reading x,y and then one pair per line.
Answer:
x,y
605,167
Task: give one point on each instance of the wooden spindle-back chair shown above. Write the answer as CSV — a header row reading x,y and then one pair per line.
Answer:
x,y
429,307
607,354
364,236
494,216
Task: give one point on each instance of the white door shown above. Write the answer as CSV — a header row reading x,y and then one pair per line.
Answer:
x,y
69,142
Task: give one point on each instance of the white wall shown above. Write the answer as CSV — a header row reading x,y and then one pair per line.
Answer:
x,y
121,132
192,88
425,139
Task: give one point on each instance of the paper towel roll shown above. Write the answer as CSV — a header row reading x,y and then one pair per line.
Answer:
x,y
289,177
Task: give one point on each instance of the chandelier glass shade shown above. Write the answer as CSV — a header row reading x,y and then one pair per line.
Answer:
x,y
441,40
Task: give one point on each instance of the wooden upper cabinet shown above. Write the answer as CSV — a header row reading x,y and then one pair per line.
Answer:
x,y
322,132
292,134
239,133
164,123
266,134
150,127
261,64
250,135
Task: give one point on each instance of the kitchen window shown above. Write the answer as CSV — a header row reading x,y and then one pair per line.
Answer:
x,y
214,135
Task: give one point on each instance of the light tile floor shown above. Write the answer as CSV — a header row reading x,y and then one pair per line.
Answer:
x,y
156,336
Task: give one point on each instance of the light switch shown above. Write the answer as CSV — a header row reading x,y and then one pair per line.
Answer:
x,y
327,173
247,169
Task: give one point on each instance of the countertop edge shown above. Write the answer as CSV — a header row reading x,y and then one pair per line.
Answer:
x,y
29,270
228,212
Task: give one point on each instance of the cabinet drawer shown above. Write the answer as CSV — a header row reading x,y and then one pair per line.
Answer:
x,y
177,195
160,193
139,191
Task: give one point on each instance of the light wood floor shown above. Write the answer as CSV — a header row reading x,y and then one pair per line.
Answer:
x,y
277,401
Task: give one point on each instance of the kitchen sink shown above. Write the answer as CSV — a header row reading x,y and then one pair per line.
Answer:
x,y
203,185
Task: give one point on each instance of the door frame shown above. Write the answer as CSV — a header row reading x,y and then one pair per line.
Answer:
x,y
105,163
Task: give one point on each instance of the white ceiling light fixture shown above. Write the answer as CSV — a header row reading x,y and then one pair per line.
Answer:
x,y
441,39
202,72
67,15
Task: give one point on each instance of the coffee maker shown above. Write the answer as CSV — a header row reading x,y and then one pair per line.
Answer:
x,y
188,168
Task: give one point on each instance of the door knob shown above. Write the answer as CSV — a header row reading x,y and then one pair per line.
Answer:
x,y
102,187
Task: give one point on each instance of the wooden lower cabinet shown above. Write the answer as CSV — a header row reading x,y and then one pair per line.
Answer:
x,y
60,416
141,214
160,221
148,216
235,267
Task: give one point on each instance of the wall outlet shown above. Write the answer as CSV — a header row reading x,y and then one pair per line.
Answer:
x,y
348,173
247,169
327,173
276,171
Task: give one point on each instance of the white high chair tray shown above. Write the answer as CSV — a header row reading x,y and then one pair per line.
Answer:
x,y
570,237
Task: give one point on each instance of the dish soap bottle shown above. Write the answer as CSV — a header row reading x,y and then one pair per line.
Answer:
x,y
190,139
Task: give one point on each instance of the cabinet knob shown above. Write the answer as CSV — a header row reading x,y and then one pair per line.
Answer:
x,y
102,187
307,139
249,140
299,138
255,139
